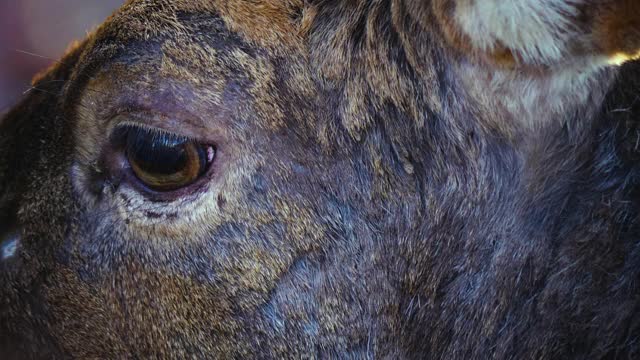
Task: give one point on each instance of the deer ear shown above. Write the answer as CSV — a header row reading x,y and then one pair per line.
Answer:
x,y
30,133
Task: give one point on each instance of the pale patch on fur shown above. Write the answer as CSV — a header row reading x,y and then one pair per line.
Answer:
x,y
621,58
533,100
539,31
10,246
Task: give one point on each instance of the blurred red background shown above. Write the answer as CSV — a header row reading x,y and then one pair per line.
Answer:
x,y
43,28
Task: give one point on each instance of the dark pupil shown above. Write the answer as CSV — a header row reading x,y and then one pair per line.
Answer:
x,y
156,152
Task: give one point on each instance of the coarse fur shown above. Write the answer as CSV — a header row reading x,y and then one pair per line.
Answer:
x,y
445,179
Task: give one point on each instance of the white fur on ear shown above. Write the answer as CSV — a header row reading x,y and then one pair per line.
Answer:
x,y
10,246
539,31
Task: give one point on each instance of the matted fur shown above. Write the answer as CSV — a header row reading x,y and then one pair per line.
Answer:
x,y
453,179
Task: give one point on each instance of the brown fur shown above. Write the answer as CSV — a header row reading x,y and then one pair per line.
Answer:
x,y
384,187
617,31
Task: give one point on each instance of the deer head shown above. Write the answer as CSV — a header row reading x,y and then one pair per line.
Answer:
x,y
331,179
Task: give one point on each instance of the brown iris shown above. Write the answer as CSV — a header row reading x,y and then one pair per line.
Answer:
x,y
163,161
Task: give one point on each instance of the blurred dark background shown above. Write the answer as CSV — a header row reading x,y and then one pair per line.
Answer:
x,y
33,33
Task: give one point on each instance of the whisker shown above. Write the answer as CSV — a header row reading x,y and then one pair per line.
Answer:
x,y
39,56
4,108
40,90
42,83
53,94
47,58
53,81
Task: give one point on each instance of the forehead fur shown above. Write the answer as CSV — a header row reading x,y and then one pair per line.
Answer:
x,y
265,22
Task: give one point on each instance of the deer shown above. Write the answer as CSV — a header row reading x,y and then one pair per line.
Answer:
x,y
361,179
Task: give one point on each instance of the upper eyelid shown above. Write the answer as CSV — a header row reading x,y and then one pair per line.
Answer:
x,y
155,108
154,131
149,107
156,123
174,108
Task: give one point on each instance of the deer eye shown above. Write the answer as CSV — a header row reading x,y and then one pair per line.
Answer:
x,y
163,161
